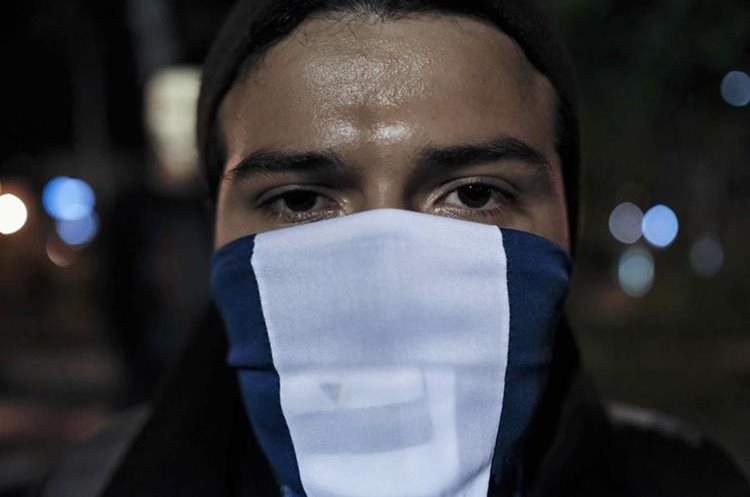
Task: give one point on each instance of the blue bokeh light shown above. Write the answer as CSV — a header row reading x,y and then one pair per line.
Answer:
x,y
735,88
68,199
78,231
660,226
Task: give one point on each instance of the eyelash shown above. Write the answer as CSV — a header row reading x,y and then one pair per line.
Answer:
x,y
506,199
268,207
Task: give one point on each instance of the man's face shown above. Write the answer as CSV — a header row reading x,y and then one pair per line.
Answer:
x,y
437,114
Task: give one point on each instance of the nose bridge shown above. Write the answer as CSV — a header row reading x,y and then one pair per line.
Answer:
x,y
384,191
386,177
385,151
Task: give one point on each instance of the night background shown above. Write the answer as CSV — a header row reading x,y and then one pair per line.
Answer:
x,y
105,239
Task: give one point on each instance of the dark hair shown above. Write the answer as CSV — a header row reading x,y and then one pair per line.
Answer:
x,y
254,26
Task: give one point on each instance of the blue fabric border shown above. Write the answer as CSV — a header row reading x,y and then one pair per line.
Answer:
x,y
538,272
236,292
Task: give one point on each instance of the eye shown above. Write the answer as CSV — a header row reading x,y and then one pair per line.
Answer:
x,y
297,205
476,196
299,200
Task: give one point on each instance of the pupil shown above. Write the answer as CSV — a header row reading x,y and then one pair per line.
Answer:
x,y
300,201
474,196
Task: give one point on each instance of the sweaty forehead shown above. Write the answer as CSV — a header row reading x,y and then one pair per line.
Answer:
x,y
366,72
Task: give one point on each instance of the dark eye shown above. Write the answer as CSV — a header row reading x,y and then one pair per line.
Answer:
x,y
300,200
474,196
298,205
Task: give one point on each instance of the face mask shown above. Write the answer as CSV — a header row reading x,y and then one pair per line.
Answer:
x,y
390,353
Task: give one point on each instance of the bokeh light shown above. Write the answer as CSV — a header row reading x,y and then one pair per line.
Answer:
x,y
171,95
660,226
78,231
59,254
625,222
635,271
13,214
706,256
68,199
735,88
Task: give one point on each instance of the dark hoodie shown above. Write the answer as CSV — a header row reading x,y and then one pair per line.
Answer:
x,y
196,440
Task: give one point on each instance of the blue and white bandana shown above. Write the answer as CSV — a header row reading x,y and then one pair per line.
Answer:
x,y
390,353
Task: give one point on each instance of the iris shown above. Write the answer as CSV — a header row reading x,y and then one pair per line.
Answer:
x,y
474,196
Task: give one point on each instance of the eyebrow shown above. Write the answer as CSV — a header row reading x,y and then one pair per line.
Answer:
x,y
428,161
270,163
502,149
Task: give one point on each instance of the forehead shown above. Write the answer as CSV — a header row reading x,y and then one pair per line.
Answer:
x,y
338,81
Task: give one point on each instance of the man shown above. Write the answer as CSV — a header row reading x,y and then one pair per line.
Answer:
x,y
395,188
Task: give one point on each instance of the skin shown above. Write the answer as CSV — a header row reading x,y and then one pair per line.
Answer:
x,y
391,114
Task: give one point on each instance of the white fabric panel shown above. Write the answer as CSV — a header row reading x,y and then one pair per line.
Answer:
x,y
367,387
389,331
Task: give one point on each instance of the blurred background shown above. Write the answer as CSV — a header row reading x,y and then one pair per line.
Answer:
x,y
105,240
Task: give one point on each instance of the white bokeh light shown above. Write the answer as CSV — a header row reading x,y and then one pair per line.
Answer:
x,y
660,226
635,271
13,214
625,222
735,88
706,256
171,94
